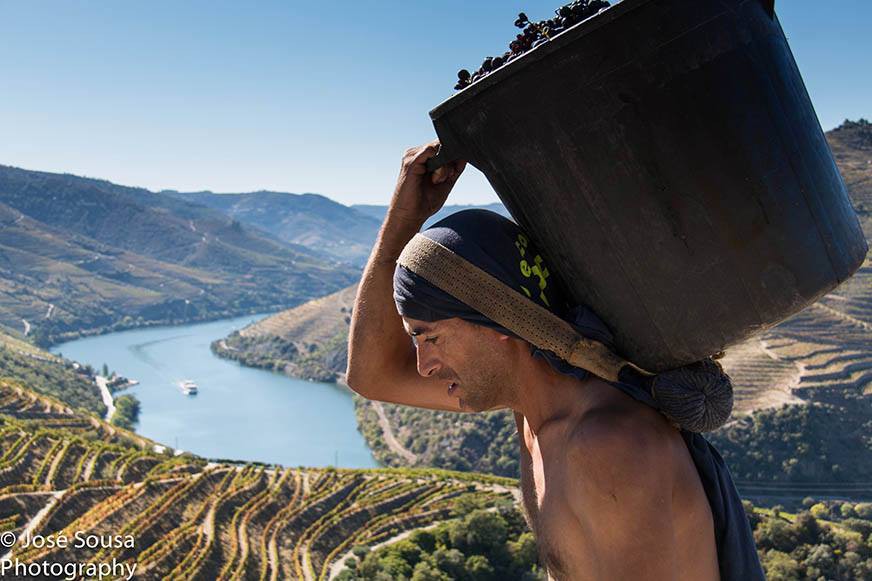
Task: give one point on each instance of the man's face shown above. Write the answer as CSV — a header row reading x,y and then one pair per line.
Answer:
x,y
473,361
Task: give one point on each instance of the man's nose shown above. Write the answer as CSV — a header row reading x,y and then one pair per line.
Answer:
x,y
427,364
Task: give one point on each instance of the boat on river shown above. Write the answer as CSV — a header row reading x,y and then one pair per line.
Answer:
x,y
188,387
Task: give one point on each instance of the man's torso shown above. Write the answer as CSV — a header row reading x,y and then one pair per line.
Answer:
x,y
546,483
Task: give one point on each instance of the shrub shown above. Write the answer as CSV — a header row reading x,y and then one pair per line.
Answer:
x,y
820,510
780,566
479,568
863,509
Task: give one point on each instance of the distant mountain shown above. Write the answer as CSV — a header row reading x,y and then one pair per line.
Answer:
x,y
309,220
379,212
344,233
80,254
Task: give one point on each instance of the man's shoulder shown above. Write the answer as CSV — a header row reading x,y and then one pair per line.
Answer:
x,y
621,442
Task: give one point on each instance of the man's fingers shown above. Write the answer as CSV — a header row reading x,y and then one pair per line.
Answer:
x,y
449,172
415,160
421,154
441,174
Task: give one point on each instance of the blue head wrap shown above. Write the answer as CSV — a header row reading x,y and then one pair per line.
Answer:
x,y
499,247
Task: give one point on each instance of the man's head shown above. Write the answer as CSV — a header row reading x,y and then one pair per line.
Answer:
x,y
454,341
486,261
476,363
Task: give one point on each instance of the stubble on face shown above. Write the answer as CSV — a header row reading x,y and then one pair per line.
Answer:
x,y
475,359
482,371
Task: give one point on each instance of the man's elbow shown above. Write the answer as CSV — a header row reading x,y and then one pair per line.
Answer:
x,y
357,379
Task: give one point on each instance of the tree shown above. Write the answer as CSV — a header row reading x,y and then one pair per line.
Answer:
x,y
775,533
485,531
780,566
360,551
450,561
105,370
847,510
479,568
807,528
820,510
821,561
407,551
424,571
424,539
864,510
523,553
395,566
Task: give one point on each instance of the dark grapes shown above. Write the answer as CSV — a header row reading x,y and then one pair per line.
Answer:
x,y
533,34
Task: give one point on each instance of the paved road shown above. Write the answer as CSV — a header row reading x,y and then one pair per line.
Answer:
x,y
106,395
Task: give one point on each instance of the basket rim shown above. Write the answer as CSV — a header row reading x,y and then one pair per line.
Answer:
x,y
576,31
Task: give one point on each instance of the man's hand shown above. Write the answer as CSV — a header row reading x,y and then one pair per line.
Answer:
x,y
420,194
381,357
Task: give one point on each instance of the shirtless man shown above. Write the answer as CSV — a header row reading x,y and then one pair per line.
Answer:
x,y
609,487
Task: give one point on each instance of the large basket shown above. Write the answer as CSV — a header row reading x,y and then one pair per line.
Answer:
x,y
667,158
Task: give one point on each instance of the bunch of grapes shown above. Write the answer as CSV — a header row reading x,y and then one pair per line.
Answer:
x,y
532,35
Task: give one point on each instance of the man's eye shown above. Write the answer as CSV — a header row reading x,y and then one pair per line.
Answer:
x,y
431,339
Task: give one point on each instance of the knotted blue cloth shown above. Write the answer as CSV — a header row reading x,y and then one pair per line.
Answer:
x,y
499,247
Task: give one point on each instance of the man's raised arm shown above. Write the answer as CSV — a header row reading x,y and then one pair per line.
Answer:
x,y
381,356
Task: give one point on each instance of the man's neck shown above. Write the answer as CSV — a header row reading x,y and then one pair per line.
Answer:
x,y
544,395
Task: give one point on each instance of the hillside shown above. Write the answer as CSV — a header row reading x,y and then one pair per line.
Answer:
x,y
306,341
191,518
49,374
185,517
86,255
325,227
309,220
822,356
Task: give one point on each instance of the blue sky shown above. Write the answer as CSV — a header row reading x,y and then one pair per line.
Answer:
x,y
295,96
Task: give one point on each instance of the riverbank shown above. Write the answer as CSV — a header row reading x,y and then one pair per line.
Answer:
x,y
51,341
239,412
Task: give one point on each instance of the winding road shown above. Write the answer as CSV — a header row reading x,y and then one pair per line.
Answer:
x,y
390,439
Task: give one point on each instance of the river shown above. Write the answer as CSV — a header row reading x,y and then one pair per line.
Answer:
x,y
239,413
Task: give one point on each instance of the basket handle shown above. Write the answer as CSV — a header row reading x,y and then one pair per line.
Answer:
x,y
442,157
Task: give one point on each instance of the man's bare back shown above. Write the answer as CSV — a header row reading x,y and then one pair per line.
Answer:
x,y
554,475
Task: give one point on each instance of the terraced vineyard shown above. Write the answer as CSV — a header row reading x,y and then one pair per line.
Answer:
x,y
63,472
823,353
